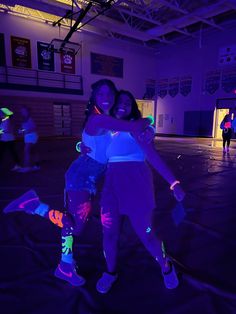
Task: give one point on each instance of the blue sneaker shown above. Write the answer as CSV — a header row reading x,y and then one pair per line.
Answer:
x,y
170,277
67,272
28,203
105,283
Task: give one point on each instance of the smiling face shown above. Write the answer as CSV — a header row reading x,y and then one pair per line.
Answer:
x,y
123,106
105,98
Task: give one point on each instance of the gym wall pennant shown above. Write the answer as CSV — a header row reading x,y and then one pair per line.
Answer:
x,y
185,85
2,50
68,62
150,91
228,82
173,86
21,52
45,57
162,87
212,81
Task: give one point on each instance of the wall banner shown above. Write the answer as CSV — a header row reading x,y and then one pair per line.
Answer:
x,y
212,81
150,89
68,62
45,57
2,50
106,65
162,88
185,85
21,52
173,86
228,81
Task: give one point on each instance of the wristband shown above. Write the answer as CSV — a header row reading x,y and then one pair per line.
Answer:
x,y
151,118
174,184
77,147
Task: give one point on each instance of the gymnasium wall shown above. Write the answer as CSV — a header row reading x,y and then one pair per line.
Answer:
x,y
196,57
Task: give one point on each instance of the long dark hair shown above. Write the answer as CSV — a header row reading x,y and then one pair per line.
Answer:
x,y
135,113
227,116
92,101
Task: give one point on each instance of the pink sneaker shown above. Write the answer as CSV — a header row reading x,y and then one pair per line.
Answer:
x,y
27,203
67,272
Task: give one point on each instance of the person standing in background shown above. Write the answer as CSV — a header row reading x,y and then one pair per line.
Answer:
x,y
28,129
226,126
7,138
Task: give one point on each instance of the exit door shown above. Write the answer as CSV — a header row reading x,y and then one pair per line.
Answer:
x,y
219,116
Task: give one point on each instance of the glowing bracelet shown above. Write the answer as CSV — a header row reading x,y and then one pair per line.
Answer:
x,y
151,118
77,147
174,184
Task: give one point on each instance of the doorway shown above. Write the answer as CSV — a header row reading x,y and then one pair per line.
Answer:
x,y
62,119
223,106
219,116
146,107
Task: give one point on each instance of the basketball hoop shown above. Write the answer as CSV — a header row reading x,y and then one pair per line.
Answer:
x,y
60,46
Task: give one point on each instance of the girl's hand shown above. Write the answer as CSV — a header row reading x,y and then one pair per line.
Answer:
x,y
179,193
147,135
21,131
141,124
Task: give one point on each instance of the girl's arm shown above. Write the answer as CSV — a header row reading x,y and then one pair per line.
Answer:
x,y
222,125
97,123
161,167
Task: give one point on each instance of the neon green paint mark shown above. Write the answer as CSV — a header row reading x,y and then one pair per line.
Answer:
x,y
67,243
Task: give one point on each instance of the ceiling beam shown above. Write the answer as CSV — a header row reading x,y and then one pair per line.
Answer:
x,y
173,7
198,15
117,27
140,16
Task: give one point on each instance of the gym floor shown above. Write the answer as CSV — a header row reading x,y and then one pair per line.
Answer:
x,y
199,235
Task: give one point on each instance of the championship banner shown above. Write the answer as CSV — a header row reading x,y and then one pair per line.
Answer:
x,y
45,57
68,62
21,52
173,86
106,65
228,81
162,87
212,81
2,50
185,85
150,89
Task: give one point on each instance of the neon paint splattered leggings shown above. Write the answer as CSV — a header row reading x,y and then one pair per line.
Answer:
x,y
72,221
80,183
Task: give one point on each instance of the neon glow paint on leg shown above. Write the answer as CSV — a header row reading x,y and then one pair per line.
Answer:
x,y
106,220
83,210
67,243
56,217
